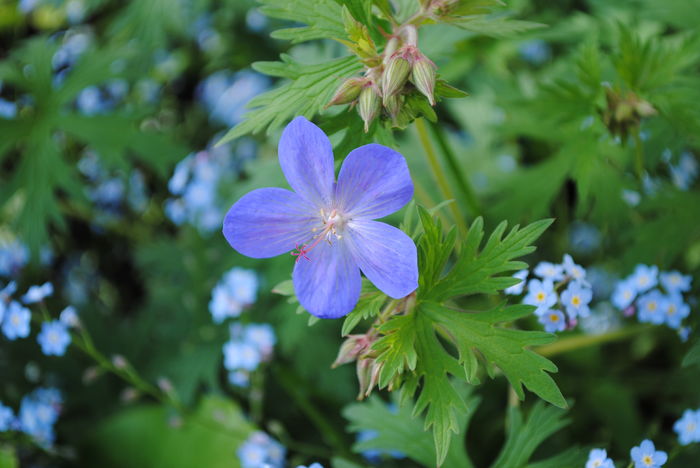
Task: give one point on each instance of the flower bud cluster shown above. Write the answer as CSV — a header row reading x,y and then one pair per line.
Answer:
x,y
624,113
393,82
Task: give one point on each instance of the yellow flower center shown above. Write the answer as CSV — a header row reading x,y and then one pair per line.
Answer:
x,y
651,306
647,460
671,309
576,300
540,296
554,317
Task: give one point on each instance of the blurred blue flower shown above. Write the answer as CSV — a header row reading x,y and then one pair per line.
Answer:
x,y
241,355
646,455
225,95
239,378
54,338
603,318
688,427
535,51
13,256
549,271
517,289
8,109
652,307
261,336
685,172
540,294
584,238
684,333
374,455
574,271
38,413
553,320
675,310
598,458
237,289
16,322
255,20
624,294
645,277
675,282
7,418
69,317
576,298
260,450
313,465
37,293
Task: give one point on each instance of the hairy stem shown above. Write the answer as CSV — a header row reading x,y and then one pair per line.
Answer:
x,y
440,178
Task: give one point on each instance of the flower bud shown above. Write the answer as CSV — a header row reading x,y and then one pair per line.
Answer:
x,y
364,375
423,76
392,104
368,106
352,347
119,361
395,74
347,92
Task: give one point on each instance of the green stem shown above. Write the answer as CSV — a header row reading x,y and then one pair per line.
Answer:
x,y
325,428
584,341
442,182
639,156
463,183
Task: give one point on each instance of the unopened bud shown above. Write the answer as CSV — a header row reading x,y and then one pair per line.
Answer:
x,y
645,109
347,92
392,104
352,347
129,395
423,76
165,385
368,105
364,375
395,75
91,374
119,361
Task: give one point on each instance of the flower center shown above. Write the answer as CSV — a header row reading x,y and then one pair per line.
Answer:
x,y
540,296
554,317
647,460
333,225
671,310
651,306
576,301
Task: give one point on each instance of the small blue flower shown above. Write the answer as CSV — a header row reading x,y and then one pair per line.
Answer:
x,y
69,317
313,465
237,289
260,450
540,294
37,293
553,321
7,418
646,455
16,322
598,458
262,336
675,282
550,271
241,355
675,310
624,294
54,338
684,333
517,289
13,256
226,95
330,224
38,413
535,51
574,271
576,298
239,378
645,277
8,110
583,237
652,307
688,427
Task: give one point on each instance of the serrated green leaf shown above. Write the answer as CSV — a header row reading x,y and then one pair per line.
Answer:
x,y
524,437
311,88
475,272
322,18
488,25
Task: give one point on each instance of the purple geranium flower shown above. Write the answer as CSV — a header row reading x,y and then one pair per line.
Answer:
x,y
330,224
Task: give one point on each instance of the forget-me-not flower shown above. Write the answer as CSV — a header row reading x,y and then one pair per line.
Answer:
x,y
645,277
646,455
598,458
540,294
237,289
548,270
572,270
331,224
652,306
13,256
7,418
54,338
675,310
38,413
624,294
16,322
260,450
576,298
688,427
675,282
553,321
517,288
37,293
69,317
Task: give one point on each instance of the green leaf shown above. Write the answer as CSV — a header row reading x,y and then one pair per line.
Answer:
x,y
145,436
477,271
8,458
693,356
369,306
285,288
398,430
323,19
525,436
311,88
488,25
